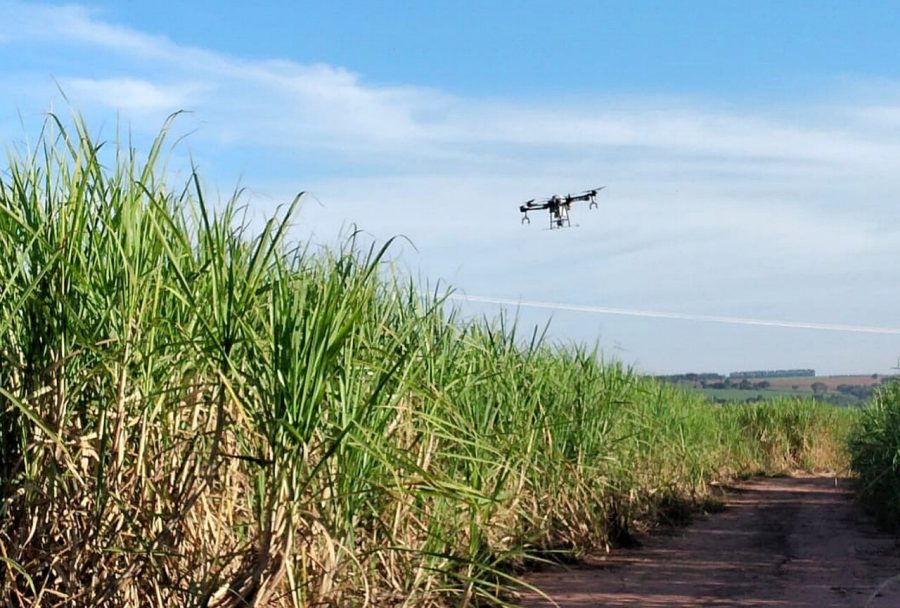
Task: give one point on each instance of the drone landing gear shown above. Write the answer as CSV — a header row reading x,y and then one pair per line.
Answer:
x,y
560,218
526,219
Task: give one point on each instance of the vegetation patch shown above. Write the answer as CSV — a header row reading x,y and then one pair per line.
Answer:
x,y
752,387
192,414
875,452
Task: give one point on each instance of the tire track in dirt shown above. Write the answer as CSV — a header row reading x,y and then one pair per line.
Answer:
x,y
801,542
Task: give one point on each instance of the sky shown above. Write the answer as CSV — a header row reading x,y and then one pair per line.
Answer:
x,y
750,151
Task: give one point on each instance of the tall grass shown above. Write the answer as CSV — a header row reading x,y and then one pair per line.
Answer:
x,y
192,414
786,435
875,454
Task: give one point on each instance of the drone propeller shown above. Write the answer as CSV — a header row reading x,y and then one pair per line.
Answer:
x,y
524,207
591,195
593,191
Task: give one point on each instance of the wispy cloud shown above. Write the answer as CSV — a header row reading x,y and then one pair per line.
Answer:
x,y
132,96
279,98
677,316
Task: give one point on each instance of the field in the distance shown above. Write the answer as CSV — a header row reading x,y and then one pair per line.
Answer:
x,y
846,390
832,382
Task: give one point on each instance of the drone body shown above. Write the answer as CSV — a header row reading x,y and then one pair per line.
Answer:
x,y
559,206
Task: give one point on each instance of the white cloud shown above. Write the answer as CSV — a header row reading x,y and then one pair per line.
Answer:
x,y
70,24
280,98
133,96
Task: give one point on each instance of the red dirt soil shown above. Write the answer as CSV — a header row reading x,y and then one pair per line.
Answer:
x,y
799,542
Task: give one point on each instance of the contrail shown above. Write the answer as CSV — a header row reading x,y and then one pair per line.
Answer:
x,y
859,329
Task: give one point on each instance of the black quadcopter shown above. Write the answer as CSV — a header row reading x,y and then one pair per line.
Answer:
x,y
559,206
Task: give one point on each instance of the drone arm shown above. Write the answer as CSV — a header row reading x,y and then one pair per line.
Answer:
x,y
533,207
587,195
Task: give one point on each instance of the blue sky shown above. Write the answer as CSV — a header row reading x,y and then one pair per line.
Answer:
x,y
750,149
535,48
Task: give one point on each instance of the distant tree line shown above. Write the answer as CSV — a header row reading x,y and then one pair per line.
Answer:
x,y
777,373
715,381
709,378
691,378
744,384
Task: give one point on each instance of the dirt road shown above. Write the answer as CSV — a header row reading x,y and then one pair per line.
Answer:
x,y
798,542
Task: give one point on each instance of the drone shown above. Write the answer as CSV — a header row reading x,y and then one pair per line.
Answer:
x,y
558,206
